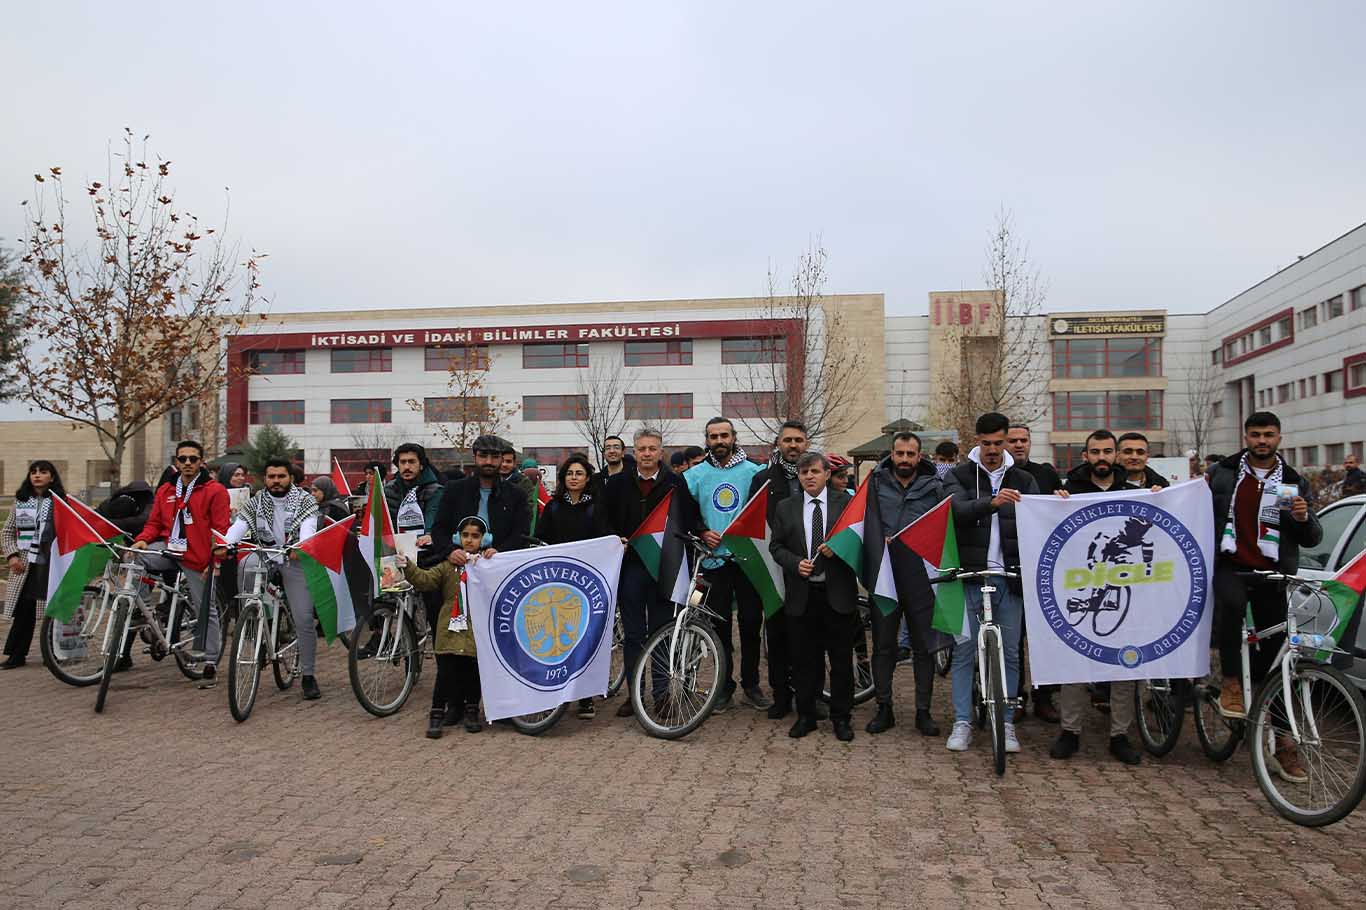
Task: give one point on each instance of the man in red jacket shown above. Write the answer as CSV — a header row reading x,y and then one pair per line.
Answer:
x,y
185,513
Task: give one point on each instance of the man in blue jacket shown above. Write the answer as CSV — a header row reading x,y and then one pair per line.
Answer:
x,y
720,485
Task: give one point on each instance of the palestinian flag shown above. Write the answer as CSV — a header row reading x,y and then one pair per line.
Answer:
x,y
376,530
97,522
657,544
321,559
747,537
1344,590
339,478
542,500
846,537
932,538
77,557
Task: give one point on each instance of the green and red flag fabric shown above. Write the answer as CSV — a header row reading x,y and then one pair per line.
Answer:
x,y
98,523
932,538
542,500
1345,591
320,556
77,557
660,548
747,537
846,537
376,530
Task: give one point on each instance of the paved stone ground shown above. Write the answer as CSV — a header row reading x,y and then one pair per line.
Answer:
x,y
164,801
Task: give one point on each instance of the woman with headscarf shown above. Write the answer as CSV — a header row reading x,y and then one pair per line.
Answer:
x,y
233,476
333,506
25,539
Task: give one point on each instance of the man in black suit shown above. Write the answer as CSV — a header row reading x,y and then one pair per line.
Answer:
x,y
821,600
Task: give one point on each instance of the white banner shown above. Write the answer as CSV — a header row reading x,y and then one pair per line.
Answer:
x,y
1117,585
543,624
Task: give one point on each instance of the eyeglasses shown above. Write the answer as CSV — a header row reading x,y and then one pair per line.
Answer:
x,y
187,459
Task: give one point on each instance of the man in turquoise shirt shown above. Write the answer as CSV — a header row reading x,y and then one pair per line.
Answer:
x,y
720,484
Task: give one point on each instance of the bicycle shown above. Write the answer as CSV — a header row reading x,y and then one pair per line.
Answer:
x,y
991,664
265,632
689,654
176,637
385,669
71,650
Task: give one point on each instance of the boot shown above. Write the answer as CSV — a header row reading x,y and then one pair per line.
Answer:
x,y
472,723
882,721
434,722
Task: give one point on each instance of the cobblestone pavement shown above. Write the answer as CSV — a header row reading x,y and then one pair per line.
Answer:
x,y
164,801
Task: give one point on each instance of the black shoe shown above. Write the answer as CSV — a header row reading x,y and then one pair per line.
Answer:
x,y
780,708
822,711
925,724
882,721
124,664
586,710
626,709
472,724
723,703
12,663
310,687
210,677
803,726
434,723
1066,745
1122,749
843,731
755,698
454,715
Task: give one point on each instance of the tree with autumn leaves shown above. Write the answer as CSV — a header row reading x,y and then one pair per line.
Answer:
x,y
126,325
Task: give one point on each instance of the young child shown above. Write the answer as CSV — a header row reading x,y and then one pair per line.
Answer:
x,y
457,671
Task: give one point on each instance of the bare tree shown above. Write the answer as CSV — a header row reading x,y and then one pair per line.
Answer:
x,y
1002,360
1204,393
816,372
121,335
11,325
469,412
603,388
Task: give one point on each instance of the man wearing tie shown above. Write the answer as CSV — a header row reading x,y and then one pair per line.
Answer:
x,y
822,597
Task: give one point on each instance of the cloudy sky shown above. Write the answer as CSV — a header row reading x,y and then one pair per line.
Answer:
x,y
400,155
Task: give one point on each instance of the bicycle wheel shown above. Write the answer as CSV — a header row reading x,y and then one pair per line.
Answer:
x,y
1114,608
692,678
1219,735
1160,709
1331,718
384,663
72,651
244,661
618,666
538,723
996,704
863,663
285,668
180,633
113,642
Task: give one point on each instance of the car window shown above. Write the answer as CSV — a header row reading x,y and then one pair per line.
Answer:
x,y
1335,521
1355,544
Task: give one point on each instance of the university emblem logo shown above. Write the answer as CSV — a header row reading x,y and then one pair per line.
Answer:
x,y
549,618
725,498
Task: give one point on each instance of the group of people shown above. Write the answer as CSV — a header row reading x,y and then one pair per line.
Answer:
x,y
188,522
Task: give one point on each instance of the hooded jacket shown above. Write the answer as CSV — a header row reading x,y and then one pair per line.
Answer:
x,y
1079,481
208,507
898,506
1223,480
129,507
969,485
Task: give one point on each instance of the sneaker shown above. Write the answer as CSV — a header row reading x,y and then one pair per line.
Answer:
x,y
586,709
1231,696
960,737
625,709
208,681
723,703
1286,764
1012,741
755,698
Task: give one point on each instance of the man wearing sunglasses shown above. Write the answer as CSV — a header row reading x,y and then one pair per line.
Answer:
x,y
186,510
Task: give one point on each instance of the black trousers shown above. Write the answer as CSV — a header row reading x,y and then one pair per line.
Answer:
x,y
818,634
1232,595
20,637
885,633
729,585
457,682
782,677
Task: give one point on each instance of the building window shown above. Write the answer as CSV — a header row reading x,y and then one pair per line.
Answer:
x,y
458,357
1214,355
1359,450
754,350
1309,456
1333,308
456,409
1333,453
1332,382
1304,388
353,462
1356,377
1309,318
362,360
545,356
1216,410
555,407
275,363
1358,298
1313,385
659,353
750,404
1067,457
1116,410
1286,329
362,410
1264,336
659,406
275,412
1095,358
551,455
1283,393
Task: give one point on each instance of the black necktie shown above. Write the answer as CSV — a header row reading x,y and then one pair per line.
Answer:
x,y
817,527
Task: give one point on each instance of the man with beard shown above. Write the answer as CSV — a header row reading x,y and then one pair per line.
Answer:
x,y
281,515
1097,475
414,495
512,477
500,506
718,485
1133,460
781,476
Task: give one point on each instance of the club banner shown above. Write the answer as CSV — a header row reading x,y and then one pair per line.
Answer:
x,y
1117,585
542,623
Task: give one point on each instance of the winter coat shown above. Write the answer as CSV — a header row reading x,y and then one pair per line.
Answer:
x,y
208,512
1079,481
444,577
598,482
898,506
509,519
565,522
623,508
1044,474
1223,480
780,486
969,485
527,487
129,507
428,496
9,543
333,507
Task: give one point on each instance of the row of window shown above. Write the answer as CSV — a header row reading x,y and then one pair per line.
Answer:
x,y
1099,358
1116,410
1282,330
1333,454
1332,381
473,409
1333,307
1066,457
534,356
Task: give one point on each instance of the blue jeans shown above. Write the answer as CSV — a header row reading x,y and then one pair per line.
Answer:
x,y
1007,609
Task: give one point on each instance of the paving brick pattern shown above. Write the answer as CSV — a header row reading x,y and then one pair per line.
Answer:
x,y
164,801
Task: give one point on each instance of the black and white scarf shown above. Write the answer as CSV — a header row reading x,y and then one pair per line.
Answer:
x,y
176,539
260,515
1268,511
736,457
31,518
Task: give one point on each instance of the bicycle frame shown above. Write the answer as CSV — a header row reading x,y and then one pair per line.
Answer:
x,y
988,627
261,595
695,609
130,577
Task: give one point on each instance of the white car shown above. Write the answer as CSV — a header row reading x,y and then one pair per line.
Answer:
x,y
1344,536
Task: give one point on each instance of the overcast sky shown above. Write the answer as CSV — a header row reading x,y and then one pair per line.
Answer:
x,y
398,155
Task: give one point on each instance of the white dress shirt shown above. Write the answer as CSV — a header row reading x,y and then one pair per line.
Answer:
x,y
808,511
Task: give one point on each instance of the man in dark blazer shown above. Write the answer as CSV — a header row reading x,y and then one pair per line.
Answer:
x,y
821,599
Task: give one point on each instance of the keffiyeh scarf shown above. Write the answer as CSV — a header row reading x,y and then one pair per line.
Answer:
x,y
260,517
1268,511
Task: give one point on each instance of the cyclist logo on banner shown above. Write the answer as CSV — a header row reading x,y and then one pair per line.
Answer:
x,y
1117,585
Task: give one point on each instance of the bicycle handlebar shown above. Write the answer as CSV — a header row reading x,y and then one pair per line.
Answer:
x,y
1268,575
959,575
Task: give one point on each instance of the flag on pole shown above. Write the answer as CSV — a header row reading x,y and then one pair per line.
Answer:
x,y
747,537
339,478
376,530
932,538
542,500
846,537
321,559
97,522
1344,590
77,557
657,544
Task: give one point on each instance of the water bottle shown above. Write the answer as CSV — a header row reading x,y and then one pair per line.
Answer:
x,y
1312,641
